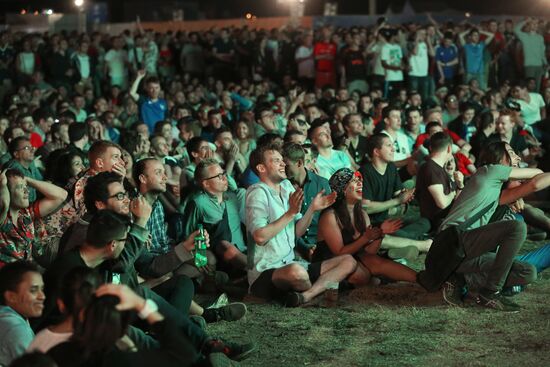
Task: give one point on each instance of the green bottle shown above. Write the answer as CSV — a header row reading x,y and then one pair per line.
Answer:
x,y
200,249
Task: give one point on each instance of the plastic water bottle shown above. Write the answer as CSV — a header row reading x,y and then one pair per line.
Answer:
x,y
200,249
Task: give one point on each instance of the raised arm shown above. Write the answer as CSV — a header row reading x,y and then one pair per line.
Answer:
x,y
133,90
54,195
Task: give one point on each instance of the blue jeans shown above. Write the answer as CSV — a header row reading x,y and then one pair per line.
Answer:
x,y
539,258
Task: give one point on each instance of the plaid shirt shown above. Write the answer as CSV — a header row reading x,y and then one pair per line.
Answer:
x,y
17,239
156,227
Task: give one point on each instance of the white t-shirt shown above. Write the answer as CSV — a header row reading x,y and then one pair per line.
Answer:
x,y
401,145
116,62
377,67
419,62
530,112
392,55
46,340
306,68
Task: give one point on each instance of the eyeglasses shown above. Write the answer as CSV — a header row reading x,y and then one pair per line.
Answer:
x,y
219,176
120,195
301,122
28,147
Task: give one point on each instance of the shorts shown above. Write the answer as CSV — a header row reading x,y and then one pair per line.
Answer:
x,y
264,287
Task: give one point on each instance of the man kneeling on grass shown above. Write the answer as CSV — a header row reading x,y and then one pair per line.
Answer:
x,y
273,221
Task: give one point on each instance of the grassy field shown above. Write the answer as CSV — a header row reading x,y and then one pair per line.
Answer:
x,y
398,325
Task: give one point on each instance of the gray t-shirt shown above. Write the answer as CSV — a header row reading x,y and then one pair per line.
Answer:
x,y
481,190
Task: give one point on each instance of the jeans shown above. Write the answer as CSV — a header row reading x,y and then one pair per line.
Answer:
x,y
506,237
414,229
421,84
539,258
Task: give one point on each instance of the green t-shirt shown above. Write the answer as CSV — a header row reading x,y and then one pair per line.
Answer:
x,y
482,189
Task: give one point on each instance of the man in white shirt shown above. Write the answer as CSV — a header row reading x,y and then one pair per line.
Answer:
x,y
418,64
391,57
273,222
116,60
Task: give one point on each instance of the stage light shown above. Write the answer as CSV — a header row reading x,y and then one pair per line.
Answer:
x,y
248,16
79,3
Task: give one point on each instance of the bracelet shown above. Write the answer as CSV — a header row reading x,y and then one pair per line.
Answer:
x,y
148,308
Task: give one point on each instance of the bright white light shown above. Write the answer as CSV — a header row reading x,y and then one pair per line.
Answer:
x,y
79,3
48,11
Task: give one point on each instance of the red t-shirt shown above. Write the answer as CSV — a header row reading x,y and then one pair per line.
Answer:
x,y
323,48
422,138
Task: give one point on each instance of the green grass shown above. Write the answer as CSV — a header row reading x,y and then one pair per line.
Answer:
x,y
398,325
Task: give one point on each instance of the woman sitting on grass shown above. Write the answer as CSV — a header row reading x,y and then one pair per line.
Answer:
x,y
355,235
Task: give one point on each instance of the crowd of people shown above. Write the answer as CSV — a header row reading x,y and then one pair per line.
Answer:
x,y
299,152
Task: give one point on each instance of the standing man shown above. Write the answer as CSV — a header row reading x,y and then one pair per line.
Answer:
x,y
325,55
273,221
152,108
534,50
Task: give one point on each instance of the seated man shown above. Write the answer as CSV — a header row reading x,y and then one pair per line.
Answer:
x,y
106,240
22,230
311,184
434,188
220,210
105,191
384,190
273,223
329,160
23,160
21,297
474,209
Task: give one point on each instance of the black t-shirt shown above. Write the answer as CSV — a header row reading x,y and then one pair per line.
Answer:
x,y
377,187
354,64
431,173
517,142
359,152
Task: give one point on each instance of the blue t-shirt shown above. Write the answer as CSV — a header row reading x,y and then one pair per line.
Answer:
x,y
474,57
445,55
152,112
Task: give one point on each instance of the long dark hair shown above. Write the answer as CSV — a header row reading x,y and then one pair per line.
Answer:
x,y
492,153
344,219
77,289
102,326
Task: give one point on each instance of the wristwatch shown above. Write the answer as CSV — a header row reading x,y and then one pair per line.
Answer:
x,y
148,308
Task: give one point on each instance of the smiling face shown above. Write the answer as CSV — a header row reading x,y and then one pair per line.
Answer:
x,y
354,189
273,166
28,299
117,201
153,177
505,125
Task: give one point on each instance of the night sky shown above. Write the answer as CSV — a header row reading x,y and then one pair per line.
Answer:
x,y
120,10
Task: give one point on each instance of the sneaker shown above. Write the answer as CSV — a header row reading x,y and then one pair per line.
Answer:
x,y
236,352
231,312
294,299
497,301
512,291
453,291
221,301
